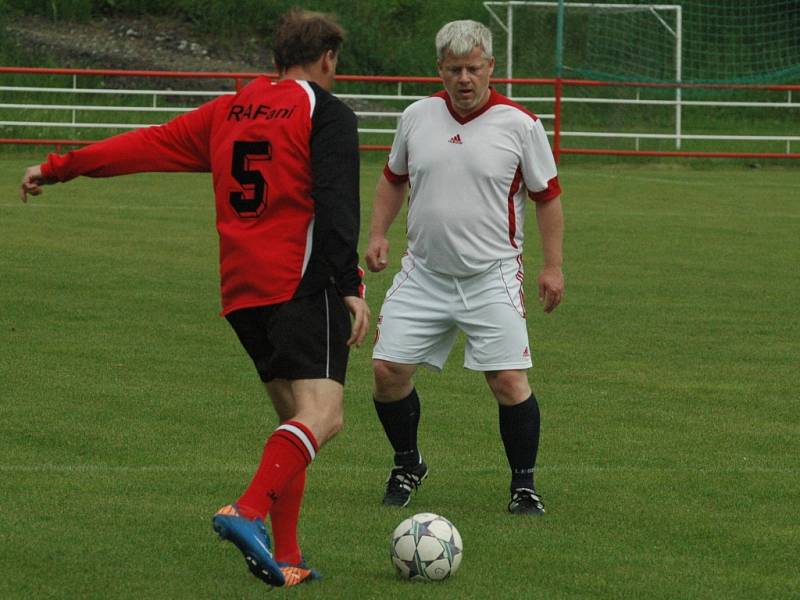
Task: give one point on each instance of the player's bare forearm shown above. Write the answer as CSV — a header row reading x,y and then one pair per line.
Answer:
x,y
389,199
550,219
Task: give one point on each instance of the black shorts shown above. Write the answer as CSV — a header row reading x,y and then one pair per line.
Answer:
x,y
304,338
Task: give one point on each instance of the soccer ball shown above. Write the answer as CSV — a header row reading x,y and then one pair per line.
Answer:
x,y
426,547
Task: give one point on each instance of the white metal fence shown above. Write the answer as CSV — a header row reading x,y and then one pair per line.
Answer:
x,y
35,111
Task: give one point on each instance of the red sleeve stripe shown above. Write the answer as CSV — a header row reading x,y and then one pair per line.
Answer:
x,y
553,190
394,177
512,215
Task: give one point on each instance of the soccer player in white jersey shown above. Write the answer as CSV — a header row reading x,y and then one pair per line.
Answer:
x,y
472,160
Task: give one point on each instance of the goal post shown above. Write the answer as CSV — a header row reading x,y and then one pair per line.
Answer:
x,y
679,44
624,41
757,41
621,40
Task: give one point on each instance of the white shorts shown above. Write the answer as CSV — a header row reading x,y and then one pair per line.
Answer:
x,y
423,311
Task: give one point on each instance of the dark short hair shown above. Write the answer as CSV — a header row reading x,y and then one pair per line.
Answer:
x,y
302,36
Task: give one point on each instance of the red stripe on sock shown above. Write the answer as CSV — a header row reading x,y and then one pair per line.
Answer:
x,y
292,439
306,431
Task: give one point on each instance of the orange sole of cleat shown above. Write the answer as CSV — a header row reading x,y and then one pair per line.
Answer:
x,y
227,511
296,575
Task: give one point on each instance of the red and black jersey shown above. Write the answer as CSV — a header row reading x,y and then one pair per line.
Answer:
x,y
285,166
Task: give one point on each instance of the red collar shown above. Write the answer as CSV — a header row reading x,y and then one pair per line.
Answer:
x,y
493,99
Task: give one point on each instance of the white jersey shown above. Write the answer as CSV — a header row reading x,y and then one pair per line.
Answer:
x,y
469,179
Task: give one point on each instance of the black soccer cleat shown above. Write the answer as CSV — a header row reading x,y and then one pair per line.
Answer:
x,y
525,501
401,482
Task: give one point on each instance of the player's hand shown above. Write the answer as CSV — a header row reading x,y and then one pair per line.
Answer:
x,y
377,253
551,288
32,182
360,310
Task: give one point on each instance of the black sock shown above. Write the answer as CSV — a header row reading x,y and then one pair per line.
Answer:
x,y
519,429
400,421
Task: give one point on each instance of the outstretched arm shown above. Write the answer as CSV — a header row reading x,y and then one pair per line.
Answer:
x,y
179,145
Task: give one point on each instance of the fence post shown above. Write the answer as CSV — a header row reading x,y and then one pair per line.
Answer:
x,y
74,87
557,121
559,73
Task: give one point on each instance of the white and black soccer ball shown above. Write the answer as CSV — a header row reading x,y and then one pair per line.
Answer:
x,y
426,547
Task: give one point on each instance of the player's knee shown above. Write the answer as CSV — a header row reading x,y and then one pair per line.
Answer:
x,y
509,387
382,372
389,376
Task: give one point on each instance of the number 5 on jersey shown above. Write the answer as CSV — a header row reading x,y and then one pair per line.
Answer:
x,y
252,201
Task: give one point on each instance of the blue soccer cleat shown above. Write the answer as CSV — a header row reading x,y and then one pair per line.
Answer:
x,y
250,537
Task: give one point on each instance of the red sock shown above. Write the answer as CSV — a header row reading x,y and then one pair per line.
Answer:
x,y
288,451
284,514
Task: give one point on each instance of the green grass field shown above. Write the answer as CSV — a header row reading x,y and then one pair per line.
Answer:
x,y
668,381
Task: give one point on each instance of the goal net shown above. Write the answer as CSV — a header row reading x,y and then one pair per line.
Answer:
x,y
701,41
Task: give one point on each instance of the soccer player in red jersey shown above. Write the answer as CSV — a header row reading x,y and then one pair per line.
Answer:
x,y
285,166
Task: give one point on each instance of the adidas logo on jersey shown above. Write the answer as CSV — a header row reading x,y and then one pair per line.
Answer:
x,y
456,139
526,353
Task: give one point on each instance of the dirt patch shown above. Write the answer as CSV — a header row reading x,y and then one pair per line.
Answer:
x,y
147,43
141,43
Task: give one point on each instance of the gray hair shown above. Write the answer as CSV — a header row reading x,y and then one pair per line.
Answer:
x,y
460,37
